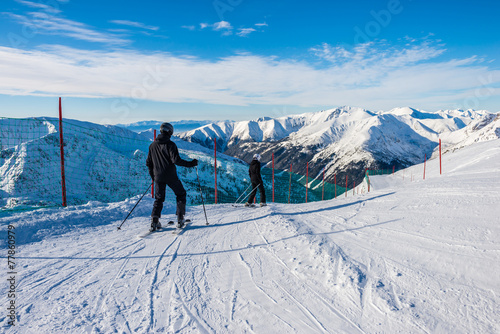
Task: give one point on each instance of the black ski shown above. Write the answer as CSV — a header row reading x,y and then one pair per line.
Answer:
x,y
180,230
150,232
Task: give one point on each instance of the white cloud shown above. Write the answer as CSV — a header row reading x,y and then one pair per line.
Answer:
x,y
263,24
406,76
45,23
135,24
44,7
365,55
189,27
245,31
222,25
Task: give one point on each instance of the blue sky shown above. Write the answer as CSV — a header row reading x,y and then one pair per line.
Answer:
x,y
124,61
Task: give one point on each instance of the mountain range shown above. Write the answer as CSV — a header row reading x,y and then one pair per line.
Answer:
x,y
107,163
347,139
179,126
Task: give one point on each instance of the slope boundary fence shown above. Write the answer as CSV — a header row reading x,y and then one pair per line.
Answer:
x,y
41,167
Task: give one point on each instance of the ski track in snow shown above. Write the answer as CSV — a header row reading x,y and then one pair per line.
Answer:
x,y
419,257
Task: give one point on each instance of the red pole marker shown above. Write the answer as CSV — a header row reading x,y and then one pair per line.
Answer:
x,y
335,181
346,185
368,179
290,185
307,178
323,190
215,167
61,145
440,170
153,182
425,160
273,177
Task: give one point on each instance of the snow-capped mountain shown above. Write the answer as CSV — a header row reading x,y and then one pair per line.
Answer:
x,y
347,140
107,163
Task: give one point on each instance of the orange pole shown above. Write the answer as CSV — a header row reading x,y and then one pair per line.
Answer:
x,y
307,178
153,182
335,180
61,145
290,185
440,170
273,177
346,185
425,160
215,167
323,190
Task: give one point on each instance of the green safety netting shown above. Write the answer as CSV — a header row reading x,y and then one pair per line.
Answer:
x,y
29,163
380,172
288,187
107,164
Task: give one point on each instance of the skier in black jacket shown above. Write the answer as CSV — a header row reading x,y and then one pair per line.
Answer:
x,y
256,178
162,158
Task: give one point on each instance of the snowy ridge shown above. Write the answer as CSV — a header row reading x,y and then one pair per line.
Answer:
x,y
347,140
411,257
179,126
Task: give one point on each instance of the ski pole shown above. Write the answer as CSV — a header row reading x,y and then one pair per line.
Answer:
x,y
201,194
119,227
243,193
250,193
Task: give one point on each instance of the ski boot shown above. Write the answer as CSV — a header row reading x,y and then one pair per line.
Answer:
x,y
180,221
263,204
155,224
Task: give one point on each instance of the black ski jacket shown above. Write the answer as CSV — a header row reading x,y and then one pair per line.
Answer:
x,y
162,158
254,172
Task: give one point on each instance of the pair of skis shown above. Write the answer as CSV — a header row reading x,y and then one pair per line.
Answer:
x,y
236,204
176,231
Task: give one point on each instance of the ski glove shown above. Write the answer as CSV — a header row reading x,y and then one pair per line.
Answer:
x,y
194,163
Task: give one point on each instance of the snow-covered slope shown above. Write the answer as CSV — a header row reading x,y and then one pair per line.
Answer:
x,y
345,140
483,129
408,257
102,163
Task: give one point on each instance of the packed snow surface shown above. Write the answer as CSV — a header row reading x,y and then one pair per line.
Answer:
x,y
411,256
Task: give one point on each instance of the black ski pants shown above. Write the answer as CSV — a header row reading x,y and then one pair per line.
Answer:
x,y
255,185
180,194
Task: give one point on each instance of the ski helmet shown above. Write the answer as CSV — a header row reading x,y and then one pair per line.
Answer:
x,y
256,156
167,129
